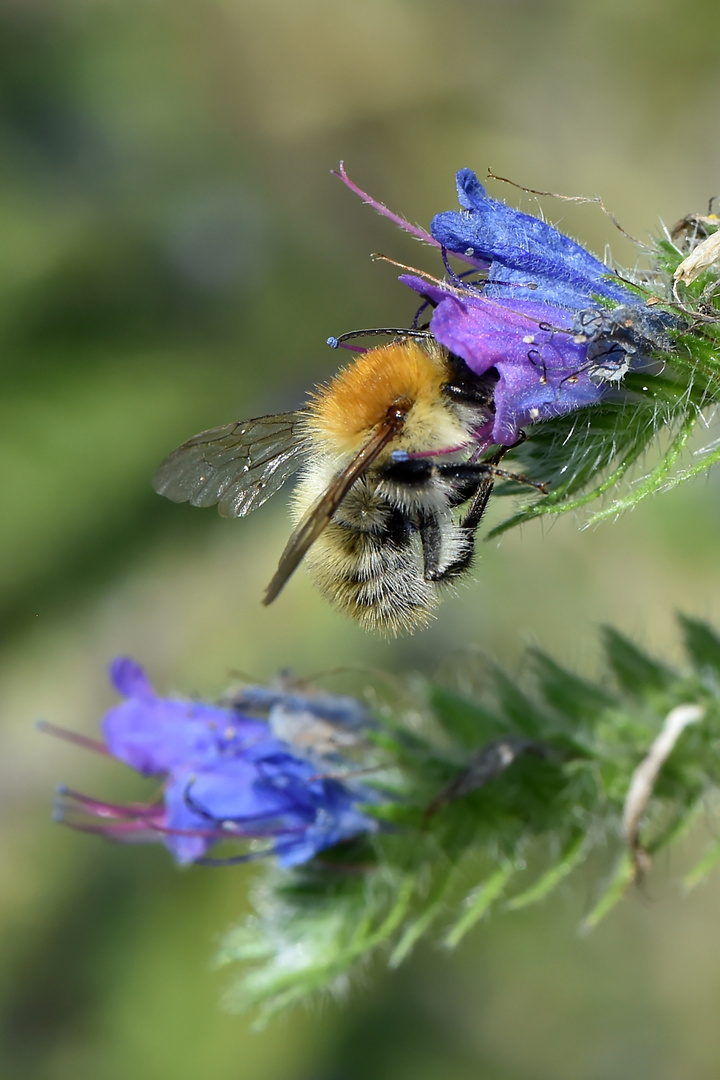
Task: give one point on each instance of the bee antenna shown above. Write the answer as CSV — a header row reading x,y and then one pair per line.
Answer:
x,y
395,331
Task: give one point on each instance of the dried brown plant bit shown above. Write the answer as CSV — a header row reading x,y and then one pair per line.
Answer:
x,y
701,258
645,776
693,228
489,762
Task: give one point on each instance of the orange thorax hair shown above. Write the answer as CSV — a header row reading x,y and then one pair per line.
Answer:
x,y
342,415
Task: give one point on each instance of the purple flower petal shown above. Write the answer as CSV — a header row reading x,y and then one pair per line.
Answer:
x,y
157,736
226,777
539,360
130,680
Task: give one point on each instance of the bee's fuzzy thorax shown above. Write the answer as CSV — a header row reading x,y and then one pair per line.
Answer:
x,y
342,414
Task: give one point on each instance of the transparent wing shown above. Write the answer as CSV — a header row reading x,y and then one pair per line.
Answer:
x,y
238,466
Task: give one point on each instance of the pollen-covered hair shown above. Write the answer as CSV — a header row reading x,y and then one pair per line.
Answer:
x,y
342,414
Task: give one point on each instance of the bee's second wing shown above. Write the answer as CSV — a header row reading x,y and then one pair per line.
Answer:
x,y
238,466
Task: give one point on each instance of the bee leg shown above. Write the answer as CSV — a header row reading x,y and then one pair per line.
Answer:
x,y
474,480
474,513
431,538
476,486
480,497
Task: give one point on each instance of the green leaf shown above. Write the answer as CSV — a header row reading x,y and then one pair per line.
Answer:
x,y
522,712
634,670
702,868
572,696
465,721
701,644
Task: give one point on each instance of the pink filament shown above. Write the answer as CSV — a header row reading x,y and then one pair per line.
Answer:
x,y
381,209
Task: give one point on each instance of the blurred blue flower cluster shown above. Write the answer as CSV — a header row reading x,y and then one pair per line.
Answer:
x,y
226,775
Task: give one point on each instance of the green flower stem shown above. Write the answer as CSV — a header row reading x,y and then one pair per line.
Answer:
x,y
558,504
654,480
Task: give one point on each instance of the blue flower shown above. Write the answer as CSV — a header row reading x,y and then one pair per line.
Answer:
x,y
225,776
556,324
155,735
524,255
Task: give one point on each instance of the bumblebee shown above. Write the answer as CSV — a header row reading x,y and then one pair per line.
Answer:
x,y
388,452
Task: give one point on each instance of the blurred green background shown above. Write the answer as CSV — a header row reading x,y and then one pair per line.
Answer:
x,y
173,255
